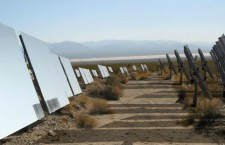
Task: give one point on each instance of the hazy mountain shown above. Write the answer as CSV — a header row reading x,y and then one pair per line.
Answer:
x,y
70,49
114,48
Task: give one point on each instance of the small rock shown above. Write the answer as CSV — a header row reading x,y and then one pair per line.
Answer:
x,y
51,133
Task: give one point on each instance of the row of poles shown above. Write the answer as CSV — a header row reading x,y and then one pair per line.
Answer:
x,y
193,74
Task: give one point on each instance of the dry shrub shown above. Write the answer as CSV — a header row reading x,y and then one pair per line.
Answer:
x,y
113,92
189,120
95,89
165,74
82,101
110,90
64,121
99,106
87,104
142,75
207,112
93,105
69,109
133,76
77,104
209,106
176,77
85,121
113,81
185,98
188,87
123,79
188,100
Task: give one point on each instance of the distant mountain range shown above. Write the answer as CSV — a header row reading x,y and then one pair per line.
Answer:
x,y
115,48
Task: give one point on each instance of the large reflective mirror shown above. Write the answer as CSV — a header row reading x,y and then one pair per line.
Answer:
x,y
49,73
90,78
101,69
77,73
19,104
84,77
106,72
71,75
121,70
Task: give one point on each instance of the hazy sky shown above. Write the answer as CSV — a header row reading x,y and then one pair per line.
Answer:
x,y
88,20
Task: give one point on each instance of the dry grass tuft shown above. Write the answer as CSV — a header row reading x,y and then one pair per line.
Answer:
x,y
85,121
113,93
183,97
123,79
188,87
87,105
109,90
95,89
205,114
113,81
190,120
64,121
175,78
133,76
209,106
142,75
165,74
82,101
188,100
100,106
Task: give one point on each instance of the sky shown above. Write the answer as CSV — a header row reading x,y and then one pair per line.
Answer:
x,y
93,20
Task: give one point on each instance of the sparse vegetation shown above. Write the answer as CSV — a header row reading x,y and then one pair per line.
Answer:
x,y
109,90
113,81
139,75
112,93
123,79
99,106
175,77
133,76
205,114
85,121
96,89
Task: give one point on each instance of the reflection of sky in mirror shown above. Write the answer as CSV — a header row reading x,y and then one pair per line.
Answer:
x,y
100,67
84,77
48,70
71,76
90,76
17,91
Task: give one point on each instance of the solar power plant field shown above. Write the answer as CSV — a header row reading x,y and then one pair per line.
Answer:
x,y
112,73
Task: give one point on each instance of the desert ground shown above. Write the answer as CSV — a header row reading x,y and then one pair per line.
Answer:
x,y
147,114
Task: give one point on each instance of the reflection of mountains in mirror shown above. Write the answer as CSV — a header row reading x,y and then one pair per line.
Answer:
x,y
113,48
